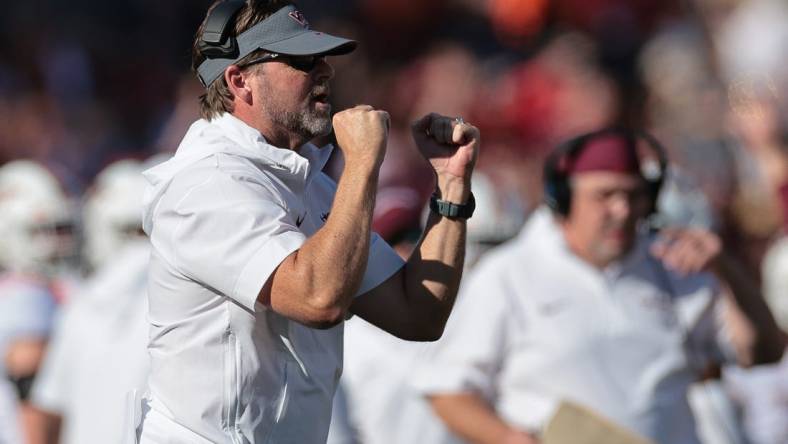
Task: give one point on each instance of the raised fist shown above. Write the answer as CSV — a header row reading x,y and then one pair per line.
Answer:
x,y
361,134
449,144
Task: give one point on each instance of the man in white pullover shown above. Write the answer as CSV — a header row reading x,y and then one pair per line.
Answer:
x,y
258,257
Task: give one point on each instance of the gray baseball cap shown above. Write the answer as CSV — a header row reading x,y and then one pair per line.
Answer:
x,y
284,32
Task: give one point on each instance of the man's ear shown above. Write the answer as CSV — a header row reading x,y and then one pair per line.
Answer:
x,y
237,83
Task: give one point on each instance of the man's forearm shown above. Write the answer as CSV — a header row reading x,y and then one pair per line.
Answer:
x,y
434,270
318,282
339,250
43,427
469,416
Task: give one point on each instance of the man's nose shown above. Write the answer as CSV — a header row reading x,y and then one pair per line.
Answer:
x,y
323,70
621,205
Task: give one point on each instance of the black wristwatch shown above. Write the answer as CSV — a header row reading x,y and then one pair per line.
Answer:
x,y
453,210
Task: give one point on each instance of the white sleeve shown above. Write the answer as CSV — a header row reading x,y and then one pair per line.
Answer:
x,y
25,310
382,263
231,234
471,352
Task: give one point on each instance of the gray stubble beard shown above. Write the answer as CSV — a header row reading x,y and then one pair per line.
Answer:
x,y
307,123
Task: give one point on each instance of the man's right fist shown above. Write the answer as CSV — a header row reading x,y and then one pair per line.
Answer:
x,y
361,134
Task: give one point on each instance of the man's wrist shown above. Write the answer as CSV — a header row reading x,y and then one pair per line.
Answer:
x,y
453,189
362,167
451,210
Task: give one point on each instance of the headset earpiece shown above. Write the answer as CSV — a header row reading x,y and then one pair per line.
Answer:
x,y
557,192
215,41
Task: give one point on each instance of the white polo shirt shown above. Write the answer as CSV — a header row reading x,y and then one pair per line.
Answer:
x,y
221,216
535,324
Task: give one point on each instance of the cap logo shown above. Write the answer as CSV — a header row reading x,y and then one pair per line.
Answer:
x,y
299,17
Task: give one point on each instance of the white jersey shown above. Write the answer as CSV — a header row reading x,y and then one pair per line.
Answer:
x,y
381,405
27,309
535,325
98,352
222,214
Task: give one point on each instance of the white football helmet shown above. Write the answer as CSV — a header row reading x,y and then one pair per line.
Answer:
x,y
36,220
112,214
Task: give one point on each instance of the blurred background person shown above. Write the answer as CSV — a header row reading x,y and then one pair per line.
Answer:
x,y
757,119
759,124
27,317
626,336
40,228
35,243
98,355
111,211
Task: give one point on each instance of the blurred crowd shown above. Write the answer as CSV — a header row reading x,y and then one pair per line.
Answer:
x,y
93,93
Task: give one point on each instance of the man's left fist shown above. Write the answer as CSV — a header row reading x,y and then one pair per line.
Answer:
x,y
449,144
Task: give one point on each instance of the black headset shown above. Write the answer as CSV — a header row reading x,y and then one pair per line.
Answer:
x,y
557,188
216,41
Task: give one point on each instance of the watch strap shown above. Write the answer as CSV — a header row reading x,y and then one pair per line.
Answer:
x,y
453,210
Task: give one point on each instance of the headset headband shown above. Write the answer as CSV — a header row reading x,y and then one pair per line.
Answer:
x,y
557,192
284,32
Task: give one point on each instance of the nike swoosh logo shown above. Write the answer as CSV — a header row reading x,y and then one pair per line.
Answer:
x,y
300,220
